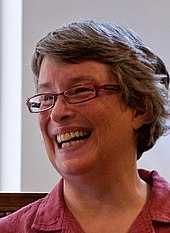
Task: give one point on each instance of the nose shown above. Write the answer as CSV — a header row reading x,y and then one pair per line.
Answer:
x,y
62,110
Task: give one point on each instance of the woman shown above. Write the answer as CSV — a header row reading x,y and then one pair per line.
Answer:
x,y
101,102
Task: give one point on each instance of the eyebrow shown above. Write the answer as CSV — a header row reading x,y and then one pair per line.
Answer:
x,y
73,81
43,85
81,79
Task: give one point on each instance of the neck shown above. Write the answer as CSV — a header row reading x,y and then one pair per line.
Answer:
x,y
104,197
117,192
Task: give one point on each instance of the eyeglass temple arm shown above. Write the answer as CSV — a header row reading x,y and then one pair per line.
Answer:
x,y
110,86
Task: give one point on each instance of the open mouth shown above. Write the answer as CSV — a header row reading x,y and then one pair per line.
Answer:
x,y
72,138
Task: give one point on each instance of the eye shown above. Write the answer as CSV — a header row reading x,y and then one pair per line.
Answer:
x,y
47,97
46,100
79,90
80,93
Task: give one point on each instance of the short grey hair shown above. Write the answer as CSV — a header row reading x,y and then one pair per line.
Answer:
x,y
142,75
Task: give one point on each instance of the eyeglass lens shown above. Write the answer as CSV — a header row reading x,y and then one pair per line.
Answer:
x,y
73,95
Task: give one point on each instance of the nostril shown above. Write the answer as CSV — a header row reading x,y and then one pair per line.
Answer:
x,y
64,118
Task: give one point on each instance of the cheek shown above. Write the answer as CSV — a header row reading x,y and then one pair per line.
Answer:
x,y
114,120
43,120
103,115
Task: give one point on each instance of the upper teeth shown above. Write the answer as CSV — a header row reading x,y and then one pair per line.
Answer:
x,y
69,135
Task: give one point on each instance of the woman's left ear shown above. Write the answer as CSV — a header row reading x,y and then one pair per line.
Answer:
x,y
139,118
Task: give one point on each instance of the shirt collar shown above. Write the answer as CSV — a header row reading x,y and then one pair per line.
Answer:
x,y
158,205
51,211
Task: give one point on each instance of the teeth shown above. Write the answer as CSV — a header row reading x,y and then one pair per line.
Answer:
x,y
77,134
67,144
68,136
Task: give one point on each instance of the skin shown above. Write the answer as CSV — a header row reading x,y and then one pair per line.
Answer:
x,y
101,182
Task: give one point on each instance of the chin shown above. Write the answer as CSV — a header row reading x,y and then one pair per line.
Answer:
x,y
71,168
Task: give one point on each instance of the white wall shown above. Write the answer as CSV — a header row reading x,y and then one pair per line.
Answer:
x,y
150,19
0,86
10,94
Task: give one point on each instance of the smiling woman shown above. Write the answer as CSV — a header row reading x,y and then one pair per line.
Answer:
x,y
101,102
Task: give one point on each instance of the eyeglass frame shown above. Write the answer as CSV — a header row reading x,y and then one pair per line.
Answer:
x,y
97,87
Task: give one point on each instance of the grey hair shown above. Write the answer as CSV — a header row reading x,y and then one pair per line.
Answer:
x,y
142,75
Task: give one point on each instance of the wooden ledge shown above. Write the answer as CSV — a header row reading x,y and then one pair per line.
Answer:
x,y
10,202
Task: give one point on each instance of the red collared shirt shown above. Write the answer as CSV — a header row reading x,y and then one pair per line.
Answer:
x,y
50,214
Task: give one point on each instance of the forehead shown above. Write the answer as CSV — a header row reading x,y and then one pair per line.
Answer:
x,y
63,75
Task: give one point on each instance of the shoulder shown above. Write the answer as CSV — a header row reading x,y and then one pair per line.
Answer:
x,y
160,199
160,195
159,203
21,219
41,211
158,183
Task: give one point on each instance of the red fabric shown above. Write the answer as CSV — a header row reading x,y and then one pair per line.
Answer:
x,y
155,216
51,214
